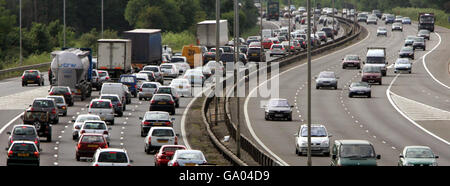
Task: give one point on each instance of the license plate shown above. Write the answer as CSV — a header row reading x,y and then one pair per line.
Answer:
x,y
360,92
254,54
92,145
349,64
180,86
162,103
371,81
103,118
23,154
30,81
163,141
278,115
190,164
157,123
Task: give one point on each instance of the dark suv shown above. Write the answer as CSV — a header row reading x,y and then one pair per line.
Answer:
x,y
32,77
254,54
328,31
63,91
171,91
46,105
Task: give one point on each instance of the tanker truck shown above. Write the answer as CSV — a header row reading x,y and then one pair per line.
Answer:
x,y
73,68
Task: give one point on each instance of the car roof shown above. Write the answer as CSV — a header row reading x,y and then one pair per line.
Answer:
x,y
94,121
111,150
115,95
43,99
162,128
354,142
106,100
189,151
375,53
91,134
23,125
156,112
314,125
86,115
417,146
55,96
162,95
27,142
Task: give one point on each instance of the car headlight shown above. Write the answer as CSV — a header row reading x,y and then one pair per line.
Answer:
x,y
325,143
434,164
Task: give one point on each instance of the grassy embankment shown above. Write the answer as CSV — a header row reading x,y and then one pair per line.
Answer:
x,y
413,13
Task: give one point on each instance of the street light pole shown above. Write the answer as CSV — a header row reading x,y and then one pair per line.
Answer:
x,y
260,32
64,9
237,67
308,5
20,28
102,19
289,29
216,109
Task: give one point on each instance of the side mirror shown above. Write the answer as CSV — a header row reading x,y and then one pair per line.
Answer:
x,y
378,156
73,121
333,156
141,118
436,157
8,133
178,135
401,156
292,106
330,135
172,119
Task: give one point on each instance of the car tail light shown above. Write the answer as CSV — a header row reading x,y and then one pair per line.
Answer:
x,y
175,164
12,140
36,141
105,132
67,93
82,131
171,102
110,105
10,153
140,89
168,123
51,93
149,140
96,165
145,123
112,152
135,86
119,104
176,140
39,77
79,145
36,154
63,107
153,102
105,145
23,77
107,78
77,127
53,111
90,106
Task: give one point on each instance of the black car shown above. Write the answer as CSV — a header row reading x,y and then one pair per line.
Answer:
x,y
23,133
328,31
360,89
406,52
419,42
23,153
243,49
155,119
227,49
162,102
63,91
170,90
117,104
32,77
254,54
278,108
389,19
209,56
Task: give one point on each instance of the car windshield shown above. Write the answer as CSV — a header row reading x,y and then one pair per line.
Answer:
x,y
149,85
315,132
94,125
194,72
419,153
82,119
279,103
92,139
326,75
165,90
24,131
100,104
57,99
162,98
102,74
113,157
127,79
357,151
177,59
112,98
33,73
277,46
23,147
426,19
43,104
424,32
418,39
402,61
163,133
382,29
371,69
360,84
154,69
353,58
190,156
179,81
227,57
407,49
156,116
377,60
59,90
172,149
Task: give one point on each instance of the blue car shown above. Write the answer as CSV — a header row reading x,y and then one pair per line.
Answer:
x,y
131,82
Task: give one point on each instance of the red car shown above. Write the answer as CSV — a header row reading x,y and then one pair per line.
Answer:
x,y
165,154
88,144
371,74
267,43
351,61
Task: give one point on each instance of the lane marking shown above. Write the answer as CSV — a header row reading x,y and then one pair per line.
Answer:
x,y
10,122
425,64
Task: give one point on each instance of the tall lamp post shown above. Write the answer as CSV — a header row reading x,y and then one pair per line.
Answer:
x,y
20,30
308,7
237,67
64,14
102,19
216,109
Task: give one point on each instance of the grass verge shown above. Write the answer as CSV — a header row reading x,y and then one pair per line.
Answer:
x,y
413,13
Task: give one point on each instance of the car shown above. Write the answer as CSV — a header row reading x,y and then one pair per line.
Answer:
x,y
398,19
206,71
111,157
322,36
328,31
383,16
60,103
255,41
407,51
419,42
326,79
169,90
103,108
209,56
155,118
277,49
162,102
147,89
32,77
118,104
118,88
397,26
278,108
104,76
128,80
417,156
157,71
46,105
182,67
243,49
320,140
353,153
24,133
79,122
166,153
150,74
255,44
406,20
382,31
409,40
159,136
216,66
377,13
23,153
274,40
195,77
88,144
227,49
281,38
221,51
359,89
96,127
267,43
182,86
187,158
389,19
169,70
176,59
127,94
424,33
402,64
255,54
95,82
371,74
371,20
141,78
361,18
63,91
351,60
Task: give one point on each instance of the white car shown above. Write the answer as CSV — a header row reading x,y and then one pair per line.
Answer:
x,y
111,157
147,90
182,67
402,64
103,108
320,140
187,158
397,26
213,65
159,136
382,31
195,77
182,87
169,70
141,78
96,127
277,49
79,122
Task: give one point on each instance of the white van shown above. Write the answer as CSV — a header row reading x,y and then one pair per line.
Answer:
x,y
114,88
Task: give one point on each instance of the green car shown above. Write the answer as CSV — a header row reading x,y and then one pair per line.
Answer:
x,y
353,153
417,156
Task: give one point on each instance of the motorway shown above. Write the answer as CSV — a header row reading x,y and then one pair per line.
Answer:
x,y
385,119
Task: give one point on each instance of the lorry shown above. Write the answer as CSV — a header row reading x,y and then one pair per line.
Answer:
x,y
193,55
114,56
426,21
273,10
206,33
146,45
72,67
376,56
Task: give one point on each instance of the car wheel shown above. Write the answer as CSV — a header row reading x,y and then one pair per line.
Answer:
x,y
142,133
74,137
147,150
369,96
65,114
140,98
120,114
112,122
326,154
317,87
77,158
343,67
49,137
296,151
350,95
380,83
410,71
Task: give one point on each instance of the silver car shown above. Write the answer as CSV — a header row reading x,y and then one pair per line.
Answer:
x,y
403,64
96,127
277,49
157,71
182,87
147,89
320,140
187,158
382,31
159,136
278,108
326,79
103,108
79,122
60,103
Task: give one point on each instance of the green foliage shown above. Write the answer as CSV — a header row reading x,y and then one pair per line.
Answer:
x,y
177,40
441,16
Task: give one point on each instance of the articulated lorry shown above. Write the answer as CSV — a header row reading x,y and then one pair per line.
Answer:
x,y
114,56
273,10
73,68
426,21
146,47
206,33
